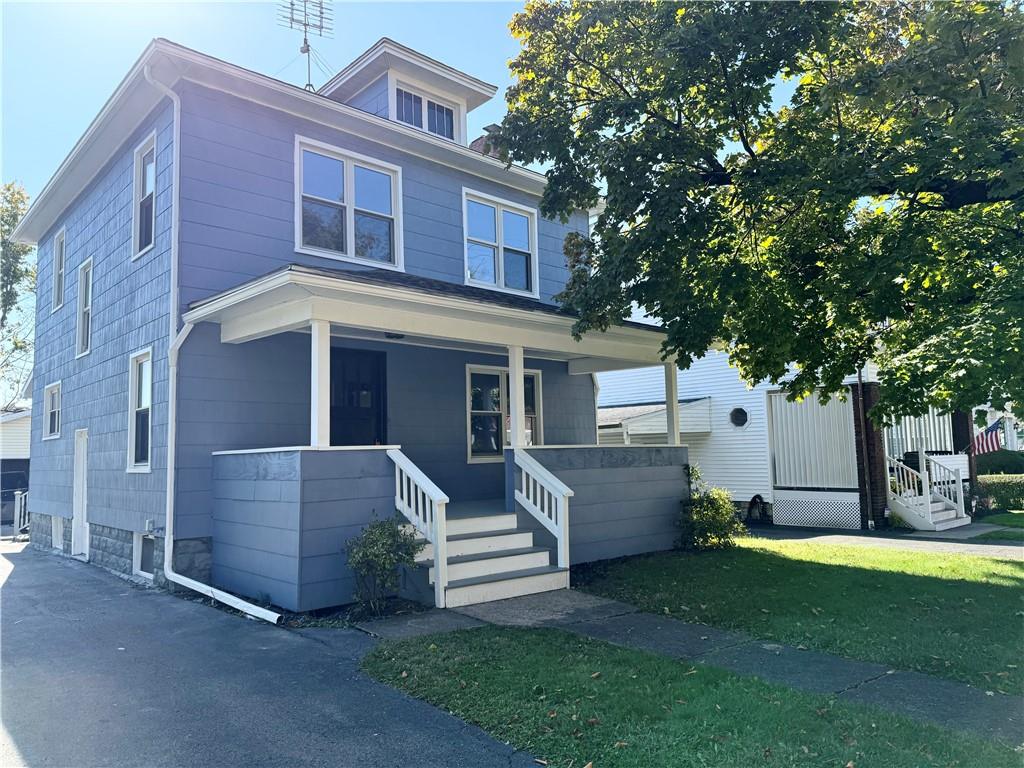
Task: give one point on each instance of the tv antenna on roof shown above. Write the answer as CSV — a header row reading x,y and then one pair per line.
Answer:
x,y
314,16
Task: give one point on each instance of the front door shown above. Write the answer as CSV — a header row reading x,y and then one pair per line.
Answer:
x,y
80,497
358,397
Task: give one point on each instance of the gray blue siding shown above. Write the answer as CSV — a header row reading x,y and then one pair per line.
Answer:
x,y
373,98
237,188
626,502
281,521
130,312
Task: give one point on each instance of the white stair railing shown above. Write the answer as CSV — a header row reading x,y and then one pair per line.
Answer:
x,y
20,512
947,484
907,488
546,498
423,505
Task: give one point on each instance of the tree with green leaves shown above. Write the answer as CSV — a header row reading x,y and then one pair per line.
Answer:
x,y
815,184
17,291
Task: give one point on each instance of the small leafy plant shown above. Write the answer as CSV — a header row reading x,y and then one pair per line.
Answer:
x,y
375,556
708,518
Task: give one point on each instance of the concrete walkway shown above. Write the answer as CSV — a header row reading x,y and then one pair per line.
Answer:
x,y
100,672
922,541
930,699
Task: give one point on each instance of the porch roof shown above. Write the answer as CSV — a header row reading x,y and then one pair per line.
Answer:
x,y
385,304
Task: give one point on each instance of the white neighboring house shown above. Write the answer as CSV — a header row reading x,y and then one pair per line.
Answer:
x,y
15,430
804,459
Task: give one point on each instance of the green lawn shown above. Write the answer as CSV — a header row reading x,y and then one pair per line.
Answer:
x,y
1009,534
956,616
572,701
1013,519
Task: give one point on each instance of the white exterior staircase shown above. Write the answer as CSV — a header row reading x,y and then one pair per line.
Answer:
x,y
930,498
475,552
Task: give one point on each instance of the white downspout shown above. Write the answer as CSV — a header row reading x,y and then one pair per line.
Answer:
x,y
175,340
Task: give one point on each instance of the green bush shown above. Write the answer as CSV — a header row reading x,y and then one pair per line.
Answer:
x,y
375,556
708,518
1001,462
1003,491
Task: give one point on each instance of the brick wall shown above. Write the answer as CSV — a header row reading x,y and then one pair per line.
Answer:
x,y
872,467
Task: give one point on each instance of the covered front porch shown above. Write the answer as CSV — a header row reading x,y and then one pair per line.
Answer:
x,y
473,416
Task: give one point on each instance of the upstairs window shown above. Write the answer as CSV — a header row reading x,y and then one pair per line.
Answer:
x,y
500,244
348,207
408,107
144,208
140,405
84,334
425,113
58,270
51,410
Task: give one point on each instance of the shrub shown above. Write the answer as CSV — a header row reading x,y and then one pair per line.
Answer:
x,y
708,518
1001,462
1004,491
375,556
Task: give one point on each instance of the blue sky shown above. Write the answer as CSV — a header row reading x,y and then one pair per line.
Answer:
x,y
61,61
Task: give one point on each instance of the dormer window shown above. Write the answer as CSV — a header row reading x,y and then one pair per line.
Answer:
x,y
424,113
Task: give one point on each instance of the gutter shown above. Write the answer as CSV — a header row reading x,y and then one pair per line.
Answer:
x,y
176,339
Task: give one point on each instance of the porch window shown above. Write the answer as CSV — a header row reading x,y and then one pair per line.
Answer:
x,y
501,241
488,411
348,207
51,415
144,186
84,309
58,270
140,406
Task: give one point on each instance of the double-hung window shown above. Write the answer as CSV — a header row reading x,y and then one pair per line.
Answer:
x,y
501,244
51,410
348,206
84,335
425,113
58,270
139,410
489,421
144,194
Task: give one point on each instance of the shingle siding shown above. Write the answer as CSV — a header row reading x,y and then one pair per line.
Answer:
x,y
373,98
237,181
129,312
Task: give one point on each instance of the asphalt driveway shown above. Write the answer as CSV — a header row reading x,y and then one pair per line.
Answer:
x,y
96,671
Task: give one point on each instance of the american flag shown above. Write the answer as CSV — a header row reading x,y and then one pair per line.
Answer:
x,y
988,439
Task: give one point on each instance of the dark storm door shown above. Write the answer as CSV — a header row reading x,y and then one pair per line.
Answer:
x,y
358,397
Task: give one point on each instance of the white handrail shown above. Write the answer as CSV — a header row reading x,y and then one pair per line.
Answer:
x,y
907,486
423,504
546,498
21,511
947,484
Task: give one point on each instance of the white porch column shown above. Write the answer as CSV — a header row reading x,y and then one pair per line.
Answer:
x,y
320,384
516,400
671,404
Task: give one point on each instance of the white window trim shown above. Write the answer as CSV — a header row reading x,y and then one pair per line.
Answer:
x,y
148,143
46,410
418,88
133,360
79,352
395,171
137,538
61,236
500,203
502,370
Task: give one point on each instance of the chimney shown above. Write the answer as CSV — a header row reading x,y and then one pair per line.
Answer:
x,y
483,145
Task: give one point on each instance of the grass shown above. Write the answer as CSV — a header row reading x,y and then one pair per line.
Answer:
x,y
956,616
572,701
1008,534
1012,519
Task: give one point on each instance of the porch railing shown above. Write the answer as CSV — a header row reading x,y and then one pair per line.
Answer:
x,y
21,511
947,484
546,498
423,505
906,486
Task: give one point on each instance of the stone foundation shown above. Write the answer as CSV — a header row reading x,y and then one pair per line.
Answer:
x,y
110,548
40,531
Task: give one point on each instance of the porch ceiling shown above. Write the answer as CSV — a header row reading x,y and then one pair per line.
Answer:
x,y
364,304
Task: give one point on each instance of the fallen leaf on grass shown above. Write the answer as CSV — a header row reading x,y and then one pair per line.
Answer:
x,y
595,676
593,721
620,744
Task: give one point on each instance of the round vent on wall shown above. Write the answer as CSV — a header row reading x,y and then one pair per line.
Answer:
x,y
739,417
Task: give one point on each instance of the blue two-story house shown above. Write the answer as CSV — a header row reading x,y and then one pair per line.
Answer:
x,y
267,316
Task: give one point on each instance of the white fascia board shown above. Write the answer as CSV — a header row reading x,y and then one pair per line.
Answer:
x,y
134,98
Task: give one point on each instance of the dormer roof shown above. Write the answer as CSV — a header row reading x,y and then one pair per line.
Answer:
x,y
386,55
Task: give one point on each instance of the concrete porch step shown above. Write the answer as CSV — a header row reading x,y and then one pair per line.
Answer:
x,y
943,514
499,586
955,522
486,563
